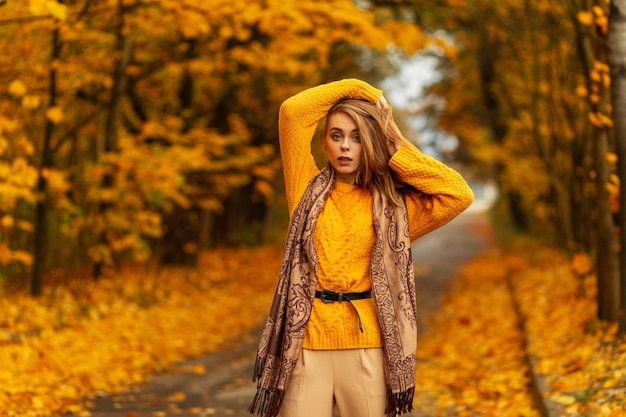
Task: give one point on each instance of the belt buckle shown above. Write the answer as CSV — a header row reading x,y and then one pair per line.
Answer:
x,y
326,293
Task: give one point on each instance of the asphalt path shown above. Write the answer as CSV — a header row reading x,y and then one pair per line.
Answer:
x,y
226,388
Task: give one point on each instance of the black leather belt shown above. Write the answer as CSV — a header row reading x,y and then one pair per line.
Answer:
x,y
328,296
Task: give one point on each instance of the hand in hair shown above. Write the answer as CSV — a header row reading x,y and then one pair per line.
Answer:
x,y
394,136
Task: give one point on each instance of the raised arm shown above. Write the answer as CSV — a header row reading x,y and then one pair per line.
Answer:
x,y
443,193
297,121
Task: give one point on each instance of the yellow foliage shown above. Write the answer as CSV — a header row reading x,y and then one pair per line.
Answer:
x,y
17,181
612,158
8,256
193,24
53,7
57,182
471,361
78,341
598,11
5,254
600,120
586,18
238,127
606,80
17,88
7,221
7,124
581,264
576,353
472,358
601,66
595,75
4,145
242,58
25,147
264,188
55,114
22,257
57,9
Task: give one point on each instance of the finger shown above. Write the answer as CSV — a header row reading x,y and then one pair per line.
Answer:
x,y
384,105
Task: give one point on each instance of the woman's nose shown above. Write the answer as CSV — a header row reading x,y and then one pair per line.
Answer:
x,y
345,144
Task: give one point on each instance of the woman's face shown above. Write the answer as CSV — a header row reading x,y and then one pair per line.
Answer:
x,y
343,146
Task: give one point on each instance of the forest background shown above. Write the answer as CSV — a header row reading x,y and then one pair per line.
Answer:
x,y
144,131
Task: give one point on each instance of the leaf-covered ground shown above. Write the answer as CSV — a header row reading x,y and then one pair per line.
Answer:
x,y
94,338
582,358
472,361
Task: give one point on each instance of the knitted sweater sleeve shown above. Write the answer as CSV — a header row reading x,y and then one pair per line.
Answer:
x,y
443,195
298,118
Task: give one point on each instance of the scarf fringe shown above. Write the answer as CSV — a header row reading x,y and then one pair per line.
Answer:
x,y
266,403
399,403
258,369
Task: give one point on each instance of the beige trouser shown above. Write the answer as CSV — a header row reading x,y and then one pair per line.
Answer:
x,y
352,379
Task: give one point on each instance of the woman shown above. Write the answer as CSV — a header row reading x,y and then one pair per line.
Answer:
x,y
342,327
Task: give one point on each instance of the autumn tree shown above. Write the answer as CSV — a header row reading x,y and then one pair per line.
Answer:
x,y
161,137
24,188
617,63
592,51
527,97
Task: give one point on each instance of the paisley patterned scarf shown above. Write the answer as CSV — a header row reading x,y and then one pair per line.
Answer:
x,y
393,289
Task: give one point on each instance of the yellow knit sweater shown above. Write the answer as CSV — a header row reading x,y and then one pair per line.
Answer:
x,y
344,235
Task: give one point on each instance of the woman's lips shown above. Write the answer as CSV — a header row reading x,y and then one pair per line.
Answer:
x,y
344,160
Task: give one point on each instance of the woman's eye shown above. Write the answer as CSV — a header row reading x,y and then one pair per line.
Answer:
x,y
357,138
336,136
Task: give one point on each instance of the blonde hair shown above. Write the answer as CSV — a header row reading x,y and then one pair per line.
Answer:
x,y
375,133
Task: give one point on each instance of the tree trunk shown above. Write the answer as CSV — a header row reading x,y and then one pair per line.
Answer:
x,y
242,220
181,237
592,48
120,82
617,62
180,243
582,206
41,208
487,55
545,145
606,256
